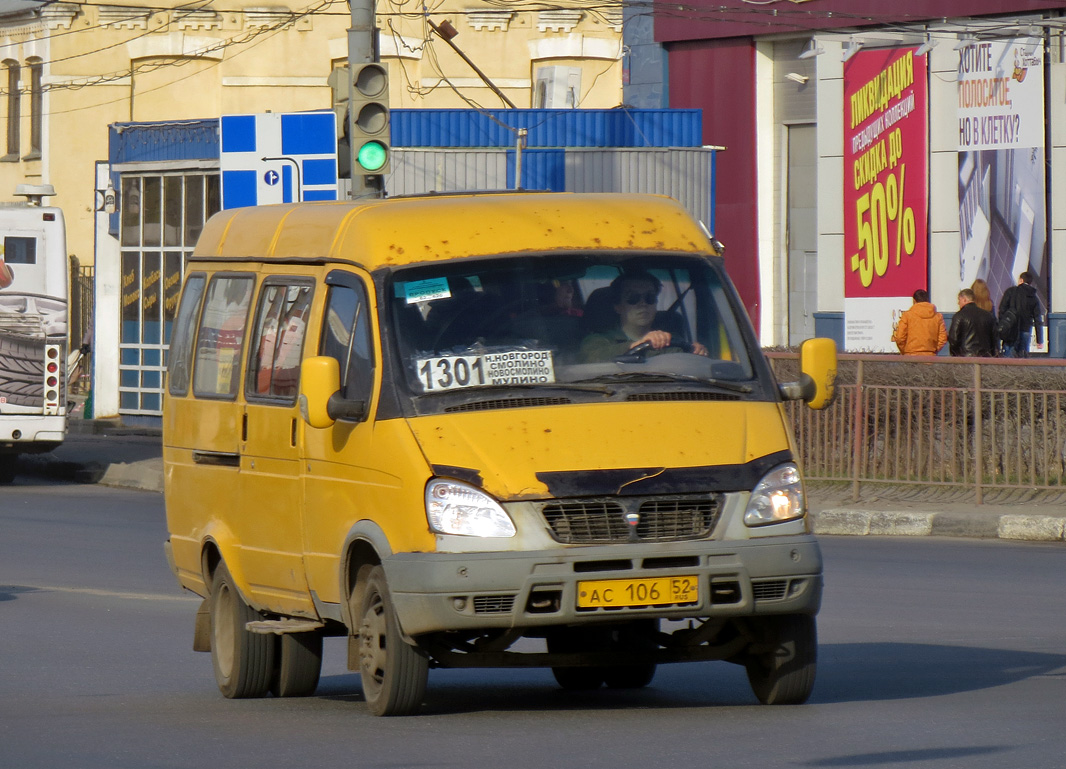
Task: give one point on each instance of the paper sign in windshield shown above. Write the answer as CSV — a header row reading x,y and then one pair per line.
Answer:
x,y
517,367
426,290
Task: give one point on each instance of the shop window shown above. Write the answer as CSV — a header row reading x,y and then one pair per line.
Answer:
x,y
161,215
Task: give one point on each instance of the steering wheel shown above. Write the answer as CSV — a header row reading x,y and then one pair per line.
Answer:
x,y
639,353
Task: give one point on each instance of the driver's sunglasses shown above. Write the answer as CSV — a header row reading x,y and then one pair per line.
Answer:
x,y
649,297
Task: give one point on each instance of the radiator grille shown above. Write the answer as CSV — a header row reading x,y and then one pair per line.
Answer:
x,y
604,521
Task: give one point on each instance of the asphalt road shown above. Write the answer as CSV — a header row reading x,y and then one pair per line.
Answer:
x,y
935,653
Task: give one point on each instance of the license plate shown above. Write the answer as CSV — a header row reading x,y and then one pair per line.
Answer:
x,y
596,594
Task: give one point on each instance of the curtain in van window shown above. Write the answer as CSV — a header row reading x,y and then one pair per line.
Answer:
x,y
274,369
221,336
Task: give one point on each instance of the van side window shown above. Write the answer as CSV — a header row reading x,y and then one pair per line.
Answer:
x,y
181,343
19,250
221,336
346,337
277,346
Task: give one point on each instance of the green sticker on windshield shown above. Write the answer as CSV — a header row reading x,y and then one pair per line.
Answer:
x,y
426,290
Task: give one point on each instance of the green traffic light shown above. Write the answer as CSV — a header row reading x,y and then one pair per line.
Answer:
x,y
372,156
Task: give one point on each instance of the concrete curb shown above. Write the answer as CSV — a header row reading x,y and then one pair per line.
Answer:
x,y
98,461
145,476
975,524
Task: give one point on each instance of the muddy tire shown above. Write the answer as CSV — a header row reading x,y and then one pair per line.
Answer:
x,y
394,673
785,675
297,664
243,661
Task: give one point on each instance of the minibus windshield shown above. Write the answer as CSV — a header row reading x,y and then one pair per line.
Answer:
x,y
567,319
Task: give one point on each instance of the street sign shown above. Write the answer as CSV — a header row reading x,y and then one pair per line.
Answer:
x,y
278,158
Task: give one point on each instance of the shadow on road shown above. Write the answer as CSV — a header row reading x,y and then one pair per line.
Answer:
x,y
847,673
898,671
907,756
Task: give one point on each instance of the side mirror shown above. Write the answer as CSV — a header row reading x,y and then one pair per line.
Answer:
x,y
818,367
320,378
321,403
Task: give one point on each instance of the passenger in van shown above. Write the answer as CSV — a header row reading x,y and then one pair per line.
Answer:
x,y
634,297
560,297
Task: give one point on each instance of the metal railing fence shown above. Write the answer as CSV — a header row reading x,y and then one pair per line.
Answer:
x,y
80,322
979,423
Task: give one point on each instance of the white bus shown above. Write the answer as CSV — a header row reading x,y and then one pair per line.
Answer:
x,y
33,327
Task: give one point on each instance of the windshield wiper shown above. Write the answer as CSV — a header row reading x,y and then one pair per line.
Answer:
x,y
649,377
588,386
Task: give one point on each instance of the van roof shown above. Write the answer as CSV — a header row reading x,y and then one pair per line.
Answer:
x,y
376,233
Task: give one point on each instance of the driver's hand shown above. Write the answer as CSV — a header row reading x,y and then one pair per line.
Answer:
x,y
699,349
657,339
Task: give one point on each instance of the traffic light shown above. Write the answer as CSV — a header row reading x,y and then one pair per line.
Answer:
x,y
338,82
369,116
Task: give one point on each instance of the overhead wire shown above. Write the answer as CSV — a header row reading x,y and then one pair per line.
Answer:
x,y
212,64
767,12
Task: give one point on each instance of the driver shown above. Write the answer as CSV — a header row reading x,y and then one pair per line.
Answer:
x,y
634,299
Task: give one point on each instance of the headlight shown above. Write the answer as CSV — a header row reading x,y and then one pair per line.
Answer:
x,y
455,508
777,497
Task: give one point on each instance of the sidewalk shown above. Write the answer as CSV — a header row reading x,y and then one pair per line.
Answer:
x,y
105,452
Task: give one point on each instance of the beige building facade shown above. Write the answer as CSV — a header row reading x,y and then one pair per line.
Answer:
x,y
70,70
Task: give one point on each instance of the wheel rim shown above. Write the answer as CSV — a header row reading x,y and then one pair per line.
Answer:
x,y
373,652
222,643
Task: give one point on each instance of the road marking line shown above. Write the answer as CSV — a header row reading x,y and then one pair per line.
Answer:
x,y
97,592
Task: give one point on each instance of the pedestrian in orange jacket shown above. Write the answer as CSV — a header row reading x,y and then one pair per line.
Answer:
x,y
921,328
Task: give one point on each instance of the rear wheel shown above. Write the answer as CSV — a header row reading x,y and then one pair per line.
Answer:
x,y
393,672
243,661
785,675
298,664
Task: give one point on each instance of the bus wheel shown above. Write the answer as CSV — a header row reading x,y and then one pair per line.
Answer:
x,y
243,661
393,672
298,664
785,674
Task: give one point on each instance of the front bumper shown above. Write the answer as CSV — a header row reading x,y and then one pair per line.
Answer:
x,y
775,575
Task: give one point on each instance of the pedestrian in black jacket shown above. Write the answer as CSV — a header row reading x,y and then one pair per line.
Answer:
x,y
972,332
1024,301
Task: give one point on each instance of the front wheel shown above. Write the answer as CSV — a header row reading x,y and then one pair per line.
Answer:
x,y
243,661
785,674
393,672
